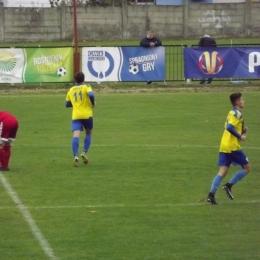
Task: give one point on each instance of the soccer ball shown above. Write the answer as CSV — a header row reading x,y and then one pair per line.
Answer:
x,y
55,3
134,69
61,71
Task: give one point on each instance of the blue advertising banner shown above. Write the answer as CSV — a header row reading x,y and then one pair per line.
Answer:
x,y
123,64
169,2
225,62
217,1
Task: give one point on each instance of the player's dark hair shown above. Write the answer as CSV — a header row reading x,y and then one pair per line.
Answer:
x,y
234,97
80,77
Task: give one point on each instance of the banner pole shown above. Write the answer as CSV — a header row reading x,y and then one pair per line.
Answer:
x,y
231,43
76,52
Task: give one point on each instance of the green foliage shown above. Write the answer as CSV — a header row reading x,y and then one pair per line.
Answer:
x,y
142,196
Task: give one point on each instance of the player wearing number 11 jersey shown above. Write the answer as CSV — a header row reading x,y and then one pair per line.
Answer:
x,y
81,98
230,151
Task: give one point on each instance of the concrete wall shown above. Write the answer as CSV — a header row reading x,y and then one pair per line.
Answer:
x,y
31,24
130,22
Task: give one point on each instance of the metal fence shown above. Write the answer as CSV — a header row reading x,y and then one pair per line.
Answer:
x,y
174,67
174,60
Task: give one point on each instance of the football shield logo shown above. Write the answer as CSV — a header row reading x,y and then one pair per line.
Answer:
x,y
210,63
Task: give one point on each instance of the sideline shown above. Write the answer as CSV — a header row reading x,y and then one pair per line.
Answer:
x,y
137,145
28,218
121,88
201,202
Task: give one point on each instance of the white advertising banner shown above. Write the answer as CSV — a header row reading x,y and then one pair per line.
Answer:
x,y
12,63
99,64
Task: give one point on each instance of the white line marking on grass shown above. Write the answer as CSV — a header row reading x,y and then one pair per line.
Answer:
x,y
135,206
28,218
140,145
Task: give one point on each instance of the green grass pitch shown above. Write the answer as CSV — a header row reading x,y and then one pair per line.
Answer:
x,y
142,197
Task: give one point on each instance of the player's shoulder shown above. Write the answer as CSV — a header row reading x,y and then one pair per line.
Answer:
x,y
235,113
87,87
72,88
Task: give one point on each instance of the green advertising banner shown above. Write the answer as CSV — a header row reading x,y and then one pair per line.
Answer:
x,y
36,65
48,65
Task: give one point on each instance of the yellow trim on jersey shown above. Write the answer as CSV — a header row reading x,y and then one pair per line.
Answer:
x,y
230,142
81,104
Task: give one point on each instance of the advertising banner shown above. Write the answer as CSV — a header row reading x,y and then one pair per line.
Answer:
x,y
36,65
217,1
225,62
123,64
12,63
169,2
49,65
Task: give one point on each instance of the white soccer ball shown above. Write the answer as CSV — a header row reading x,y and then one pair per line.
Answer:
x,y
55,3
61,71
134,69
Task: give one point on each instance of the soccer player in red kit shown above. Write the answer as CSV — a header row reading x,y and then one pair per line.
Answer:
x,y
8,130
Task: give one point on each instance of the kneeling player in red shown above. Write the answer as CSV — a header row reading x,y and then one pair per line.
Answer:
x,y
8,130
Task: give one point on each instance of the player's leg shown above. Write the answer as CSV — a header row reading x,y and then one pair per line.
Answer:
x,y
75,147
3,163
11,138
223,170
76,128
238,158
88,125
224,163
7,149
7,130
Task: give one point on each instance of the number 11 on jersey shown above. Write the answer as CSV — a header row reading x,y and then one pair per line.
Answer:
x,y
76,95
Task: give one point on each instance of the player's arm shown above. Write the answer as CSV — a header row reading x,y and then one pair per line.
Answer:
x,y
244,128
68,102
230,127
91,95
92,98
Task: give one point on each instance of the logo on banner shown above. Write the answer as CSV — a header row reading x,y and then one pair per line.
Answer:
x,y
146,61
210,63
100,63
253,61
7,61
133,68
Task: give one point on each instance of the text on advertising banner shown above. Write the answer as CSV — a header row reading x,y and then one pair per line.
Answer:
x,y
36,65
222,62
123,64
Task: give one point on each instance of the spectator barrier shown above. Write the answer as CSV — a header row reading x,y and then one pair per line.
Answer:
x,y
222,62
24,65
52,64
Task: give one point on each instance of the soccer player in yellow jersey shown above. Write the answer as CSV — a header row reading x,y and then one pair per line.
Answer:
x,y
82,101
230,150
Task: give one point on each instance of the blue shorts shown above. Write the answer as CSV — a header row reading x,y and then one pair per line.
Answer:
x,y
235,157
81,124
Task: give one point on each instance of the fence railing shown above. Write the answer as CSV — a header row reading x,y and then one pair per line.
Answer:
x,y
174,62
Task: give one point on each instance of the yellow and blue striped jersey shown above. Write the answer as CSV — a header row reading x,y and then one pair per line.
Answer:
x,y
80,98
229,141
